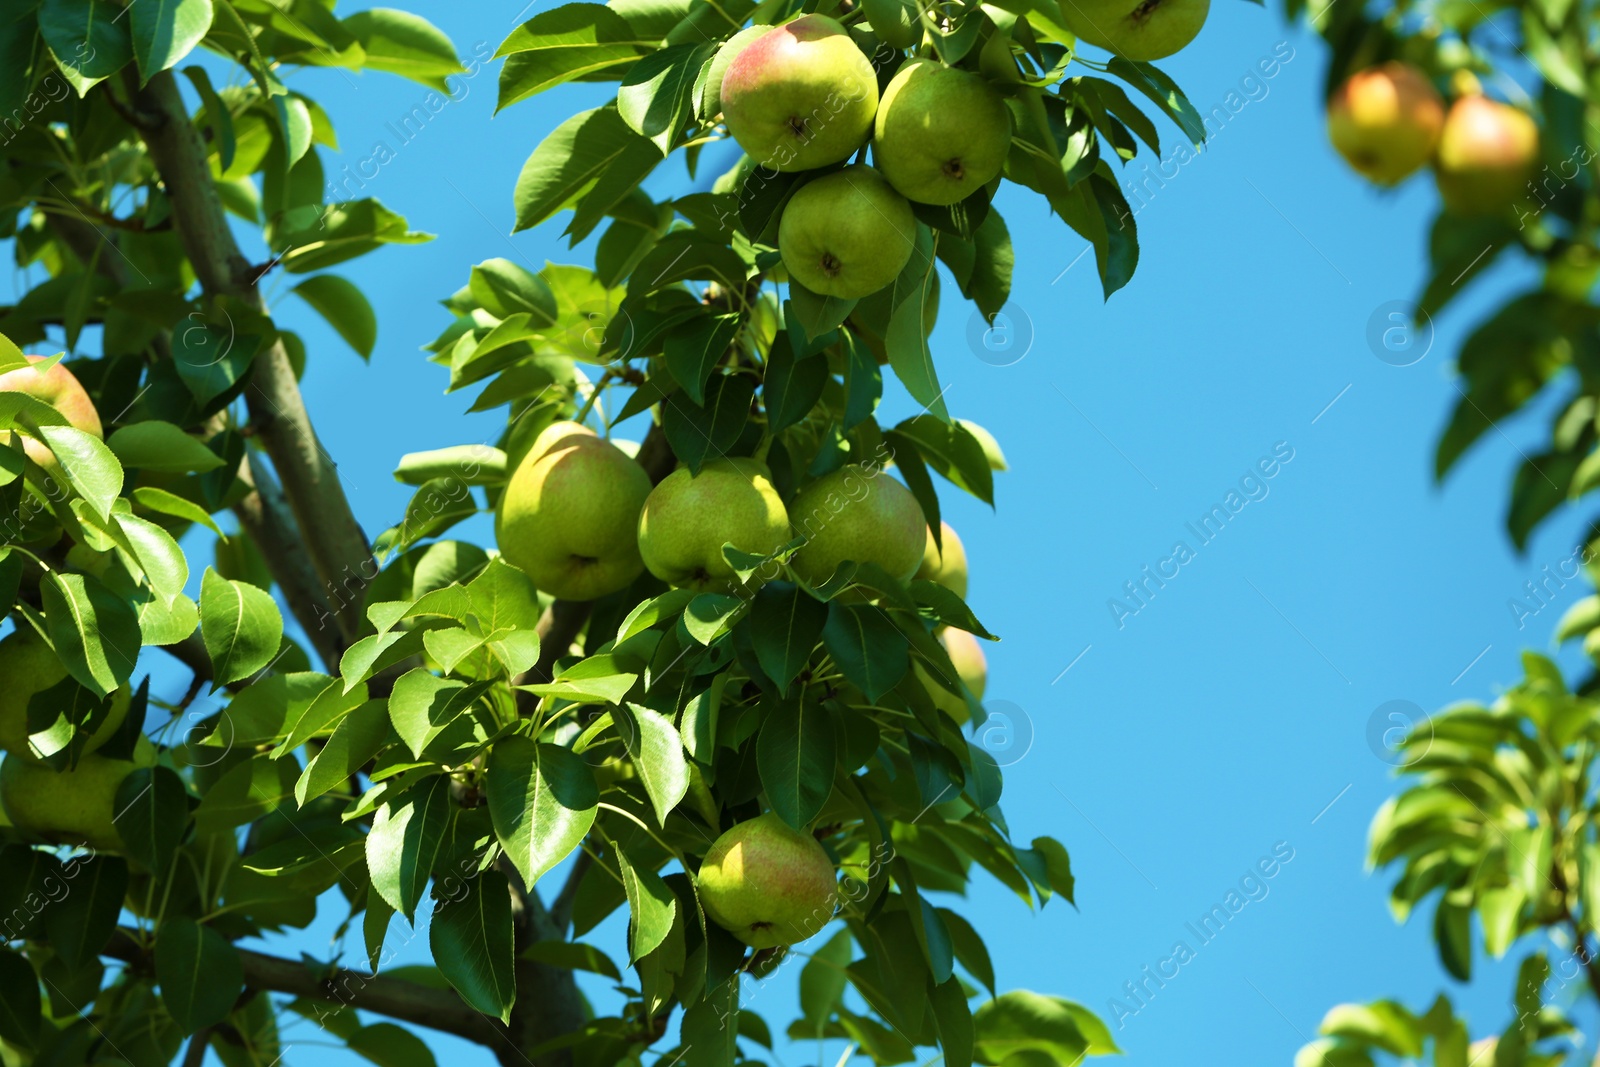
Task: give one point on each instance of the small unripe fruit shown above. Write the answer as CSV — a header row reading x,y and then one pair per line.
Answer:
x,y
767,883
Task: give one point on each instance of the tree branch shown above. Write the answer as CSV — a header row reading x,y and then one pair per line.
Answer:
x,y
338,548
437,1009
266,517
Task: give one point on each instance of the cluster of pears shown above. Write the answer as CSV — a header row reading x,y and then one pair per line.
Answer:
x,y
769,884
581,519
1388,121
70,807
803,96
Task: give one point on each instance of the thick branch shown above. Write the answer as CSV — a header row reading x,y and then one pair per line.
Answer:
x,y
437,1009
338,548
266,517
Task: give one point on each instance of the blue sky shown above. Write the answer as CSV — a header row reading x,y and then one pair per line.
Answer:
x,y
1231,714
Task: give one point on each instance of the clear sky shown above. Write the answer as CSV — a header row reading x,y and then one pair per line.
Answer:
x,y
1231,715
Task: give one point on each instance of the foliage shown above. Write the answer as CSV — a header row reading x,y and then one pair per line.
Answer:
x,y
435,727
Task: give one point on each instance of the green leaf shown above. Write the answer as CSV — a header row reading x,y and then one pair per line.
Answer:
x,y
571,41
88,464
405,841
791,387
1058,866
504,288
344,307
1452,930
402,43
310,240
652,905
656,97
868,648
1164,92
20,1006
87,37
785,625
354,741
795,753
158,555
698,432
389,1045
94,631
657,753
906,339
969,948
19,33
954,1019
176,506
822,979
1021,1022
218,117
952,450
164,31
241,627
425,707
814,313
199,971
694,348
152,816
80,925
159,446
573,157
472,464
542,800
473,943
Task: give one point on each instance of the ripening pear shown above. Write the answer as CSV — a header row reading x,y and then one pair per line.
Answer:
x,y
29,666
59,388
972,668
74,807
800,96
941,133
948,567
1140,30
1385,121
848,234
991,448
711,92
767,883
1487,153
860,514
568,517
689,517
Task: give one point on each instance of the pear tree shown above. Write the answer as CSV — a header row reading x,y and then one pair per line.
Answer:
x,y
713,678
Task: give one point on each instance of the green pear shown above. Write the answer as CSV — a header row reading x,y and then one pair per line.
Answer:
x,y
768,884
848,234
941,133
991,448
800,96
1136,29
1385,121
75,807
689,517
29,666
711,92
972,669
59,388
947,567
1487,153
569,514
860,514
